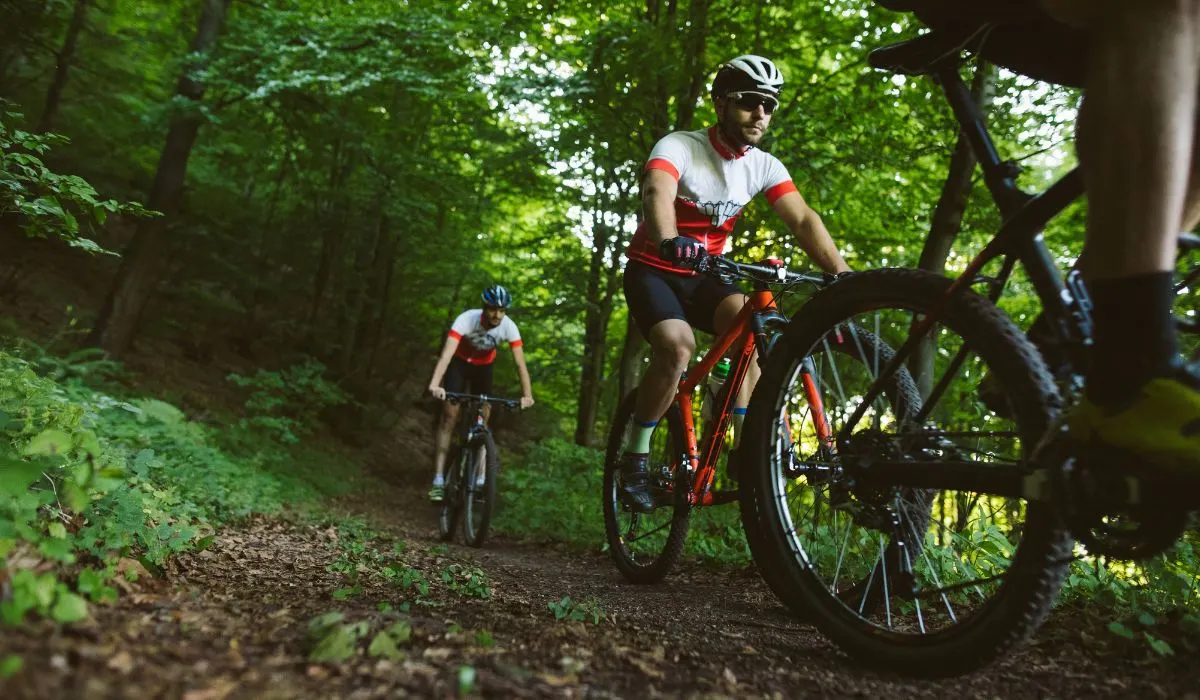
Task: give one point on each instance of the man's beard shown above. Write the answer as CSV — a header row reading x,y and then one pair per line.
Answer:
x,y
733,133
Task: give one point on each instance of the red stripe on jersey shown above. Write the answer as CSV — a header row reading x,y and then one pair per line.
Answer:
x,y
456,335
664,165
473,356
774,193
516,343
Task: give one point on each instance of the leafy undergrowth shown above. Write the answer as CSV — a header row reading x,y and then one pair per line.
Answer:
x,y
553,492
95,487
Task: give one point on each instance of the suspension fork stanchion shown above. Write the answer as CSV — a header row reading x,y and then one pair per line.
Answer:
x,y
820,421
688,460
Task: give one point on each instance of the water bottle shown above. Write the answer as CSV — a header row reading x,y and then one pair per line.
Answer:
x,y
716,379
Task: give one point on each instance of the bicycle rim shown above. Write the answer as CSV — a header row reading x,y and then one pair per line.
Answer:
x,y
646,546
480,496
926,581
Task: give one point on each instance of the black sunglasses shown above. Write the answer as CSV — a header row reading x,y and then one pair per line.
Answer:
x,y
751,101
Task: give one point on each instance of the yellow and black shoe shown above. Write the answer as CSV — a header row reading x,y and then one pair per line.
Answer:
x,y
1159,426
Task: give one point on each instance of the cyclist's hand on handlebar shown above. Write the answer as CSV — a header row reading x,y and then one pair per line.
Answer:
x,y
682,249
438,393
526,402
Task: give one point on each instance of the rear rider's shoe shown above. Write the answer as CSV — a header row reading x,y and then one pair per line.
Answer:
x,y
437,494
633,483
1159,426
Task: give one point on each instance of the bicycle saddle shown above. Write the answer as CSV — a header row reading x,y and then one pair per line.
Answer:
x,y
1016,35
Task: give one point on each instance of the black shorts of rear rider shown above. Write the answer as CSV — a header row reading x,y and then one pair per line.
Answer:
x,y
655,295
462,377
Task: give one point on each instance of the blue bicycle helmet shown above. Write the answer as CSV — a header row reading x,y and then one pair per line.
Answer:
x,y
496,295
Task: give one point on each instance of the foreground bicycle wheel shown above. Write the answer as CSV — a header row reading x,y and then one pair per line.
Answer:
x,y
923,581
480,497
645,546
452,500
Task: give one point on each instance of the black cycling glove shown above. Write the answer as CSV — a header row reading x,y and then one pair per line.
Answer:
x,y
683,250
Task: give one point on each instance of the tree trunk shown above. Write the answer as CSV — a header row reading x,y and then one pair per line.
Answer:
x,y
141,261
63,67
592,362
947,222
660,119
696,62
331,238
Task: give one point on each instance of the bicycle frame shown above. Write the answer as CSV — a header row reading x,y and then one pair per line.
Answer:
x,y
748,334
1064,299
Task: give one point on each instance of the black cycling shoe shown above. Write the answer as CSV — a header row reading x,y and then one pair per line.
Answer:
x,y
633,482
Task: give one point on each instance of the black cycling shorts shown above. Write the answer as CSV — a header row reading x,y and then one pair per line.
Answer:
x,y
462,377
655,295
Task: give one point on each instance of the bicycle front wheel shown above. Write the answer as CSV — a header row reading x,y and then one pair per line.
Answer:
x,y
646,546
926,581
451,508
483,468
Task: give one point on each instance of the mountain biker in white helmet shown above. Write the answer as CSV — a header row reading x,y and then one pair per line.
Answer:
x,y
466,366
694,187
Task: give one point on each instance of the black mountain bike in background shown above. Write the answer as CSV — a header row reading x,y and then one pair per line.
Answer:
x,y
933,533
472,469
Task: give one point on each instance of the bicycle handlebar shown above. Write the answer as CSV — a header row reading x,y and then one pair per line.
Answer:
x,y
767,274
455,397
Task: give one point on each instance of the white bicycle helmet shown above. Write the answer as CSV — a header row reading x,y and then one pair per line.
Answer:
x,y
748,73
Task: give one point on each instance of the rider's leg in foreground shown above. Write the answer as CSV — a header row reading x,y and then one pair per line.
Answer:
x,y
724,319
1136,144
672,344
441,446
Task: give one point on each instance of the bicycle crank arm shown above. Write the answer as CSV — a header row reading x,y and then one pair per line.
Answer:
x,y
980,477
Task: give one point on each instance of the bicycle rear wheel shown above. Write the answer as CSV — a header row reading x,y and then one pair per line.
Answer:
x,y
451,508
480,496
926,581
646,546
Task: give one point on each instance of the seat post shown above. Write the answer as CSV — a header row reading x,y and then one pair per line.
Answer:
x,y
999,175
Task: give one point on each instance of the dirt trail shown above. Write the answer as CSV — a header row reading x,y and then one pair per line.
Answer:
x,y
231,622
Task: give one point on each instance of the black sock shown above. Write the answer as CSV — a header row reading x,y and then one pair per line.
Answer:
x,y
1134,335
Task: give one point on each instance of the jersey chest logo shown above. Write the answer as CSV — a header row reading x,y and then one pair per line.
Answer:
x,y
482,339
718,213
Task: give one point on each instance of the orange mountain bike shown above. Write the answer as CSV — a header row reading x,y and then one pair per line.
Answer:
x,y
645,546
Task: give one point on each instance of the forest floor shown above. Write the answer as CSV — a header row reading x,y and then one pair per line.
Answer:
x,y
233,621
236,619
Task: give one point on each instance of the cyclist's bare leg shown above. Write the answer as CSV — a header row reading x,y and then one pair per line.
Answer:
x,y
1136,133
1136,147
672,344
441,444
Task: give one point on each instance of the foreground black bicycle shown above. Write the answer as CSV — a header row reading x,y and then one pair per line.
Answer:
x,y
934,534
474,467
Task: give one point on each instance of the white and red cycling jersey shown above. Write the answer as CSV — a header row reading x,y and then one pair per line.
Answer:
x,y
715,184
476,344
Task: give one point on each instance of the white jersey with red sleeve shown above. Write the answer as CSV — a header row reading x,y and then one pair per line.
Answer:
x,y
476,344
715,184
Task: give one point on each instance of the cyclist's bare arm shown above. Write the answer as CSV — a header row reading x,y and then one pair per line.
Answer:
x,y
435,383
526,387
658,204
810,232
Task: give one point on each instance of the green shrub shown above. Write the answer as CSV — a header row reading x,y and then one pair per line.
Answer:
x,y
88,476
48,204
287,404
